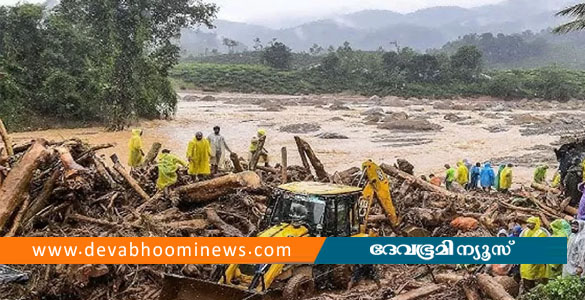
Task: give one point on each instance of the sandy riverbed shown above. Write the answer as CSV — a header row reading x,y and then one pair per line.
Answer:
x,y
240,115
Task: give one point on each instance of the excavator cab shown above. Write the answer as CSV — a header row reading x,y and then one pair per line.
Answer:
x,y
328,210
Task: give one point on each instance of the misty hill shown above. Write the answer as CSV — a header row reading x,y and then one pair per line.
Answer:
x,y
370,29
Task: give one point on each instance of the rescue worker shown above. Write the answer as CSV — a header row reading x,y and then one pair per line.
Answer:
x,y
198,154
449,176
361,272
254,146
506,179
559,228
530,273
516,231
487,177
540,174
475,173
575,250
462,176
167,169
218,149
434,180
556,182
499,174
581,211
135,146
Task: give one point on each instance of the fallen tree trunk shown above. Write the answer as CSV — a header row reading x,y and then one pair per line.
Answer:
x,y
256,154
212,189
492,288
18,180
544,188
471,292
571,210
302,154
70,165
419,293
120,169
394,172
227,229
18,219
152,154
236,161
317,165
101,168
6,139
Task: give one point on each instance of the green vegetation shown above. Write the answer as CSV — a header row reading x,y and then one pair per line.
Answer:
x,y
571,288
405,73
91,60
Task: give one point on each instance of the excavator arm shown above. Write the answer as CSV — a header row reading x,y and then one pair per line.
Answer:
x,y
377,188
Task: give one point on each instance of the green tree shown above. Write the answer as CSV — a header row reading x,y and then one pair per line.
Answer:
x,y
466,63
277,55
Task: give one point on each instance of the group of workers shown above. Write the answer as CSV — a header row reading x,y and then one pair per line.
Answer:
x,y
471,177
532,274
205,156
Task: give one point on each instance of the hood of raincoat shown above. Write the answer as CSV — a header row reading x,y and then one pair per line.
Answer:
x,y
533,232
487,166
261,132
502,231
136,132
517,231
559,228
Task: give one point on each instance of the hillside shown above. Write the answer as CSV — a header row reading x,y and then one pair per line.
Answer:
x,y
370,29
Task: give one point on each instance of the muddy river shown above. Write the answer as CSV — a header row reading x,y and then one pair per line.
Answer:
x,y
479,130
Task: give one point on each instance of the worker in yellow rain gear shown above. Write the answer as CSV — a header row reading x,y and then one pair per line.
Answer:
x,y
135,147
254,146
531,274
462,176
167,169
560,228
506,178
198,154
540,174
556,182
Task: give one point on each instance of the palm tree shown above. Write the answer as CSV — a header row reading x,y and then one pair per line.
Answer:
x,y
578,13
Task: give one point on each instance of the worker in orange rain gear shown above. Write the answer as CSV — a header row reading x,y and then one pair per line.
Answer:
x,y
198,154
462,176
167,169
530,273
136,155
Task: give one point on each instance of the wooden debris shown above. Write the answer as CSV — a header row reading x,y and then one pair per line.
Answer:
x,y
394,172
317,165
302,154
17,182
492,288
420,292
120,169
152,154
18,219
227,229
545,188
6,139
212,189
236,162
283,165
42,200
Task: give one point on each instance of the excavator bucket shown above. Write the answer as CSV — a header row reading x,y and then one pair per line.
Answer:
x,y
183,288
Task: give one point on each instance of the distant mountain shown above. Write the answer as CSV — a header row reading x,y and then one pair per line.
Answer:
x,y
371,29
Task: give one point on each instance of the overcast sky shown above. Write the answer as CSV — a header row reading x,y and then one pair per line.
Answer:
x,y
278,13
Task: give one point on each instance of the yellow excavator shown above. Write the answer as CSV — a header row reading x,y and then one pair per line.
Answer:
x,y
297,209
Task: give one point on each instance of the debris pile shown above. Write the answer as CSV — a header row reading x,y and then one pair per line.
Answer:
x,y
66,188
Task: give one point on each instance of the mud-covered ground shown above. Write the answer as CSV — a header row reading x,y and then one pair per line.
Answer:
x,y
346,130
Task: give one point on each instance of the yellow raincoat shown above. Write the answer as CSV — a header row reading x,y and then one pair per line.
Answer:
x,y
560,228
199,153
135,147
462,174
556,180
167,170
583,166
506,178
533,272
